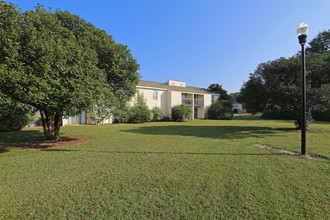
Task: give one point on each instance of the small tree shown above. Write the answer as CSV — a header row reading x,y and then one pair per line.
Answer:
x,y
221,110
181,113
158,114
140,112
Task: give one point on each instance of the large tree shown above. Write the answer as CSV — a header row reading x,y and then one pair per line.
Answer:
x,y
276,85
216,88
320,44
58,62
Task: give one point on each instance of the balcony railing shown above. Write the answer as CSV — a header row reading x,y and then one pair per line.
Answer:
x,y
187,101
197,102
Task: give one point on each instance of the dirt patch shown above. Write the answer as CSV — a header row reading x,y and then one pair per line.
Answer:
x,y
287,152
43,143
275,149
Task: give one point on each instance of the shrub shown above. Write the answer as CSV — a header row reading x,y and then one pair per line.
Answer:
x,y
138,114
221,110
158,114
181,113
13,117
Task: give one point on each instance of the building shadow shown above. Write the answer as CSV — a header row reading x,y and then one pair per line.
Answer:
x,y
214,132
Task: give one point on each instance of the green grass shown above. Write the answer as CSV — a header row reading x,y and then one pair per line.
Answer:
x,y
195,170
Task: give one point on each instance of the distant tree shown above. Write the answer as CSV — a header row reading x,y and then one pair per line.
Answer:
x,y
58,62
276,85
233,96
216,88
253,95
320,44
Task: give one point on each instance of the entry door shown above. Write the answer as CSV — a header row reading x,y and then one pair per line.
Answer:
x,y
195,112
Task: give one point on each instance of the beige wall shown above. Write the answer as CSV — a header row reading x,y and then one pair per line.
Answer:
x,y
148,96
176,98
207,104
173,98
167,99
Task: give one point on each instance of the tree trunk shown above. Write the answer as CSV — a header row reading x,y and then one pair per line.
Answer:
x,y
51,122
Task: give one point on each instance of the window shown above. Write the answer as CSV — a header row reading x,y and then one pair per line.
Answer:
x,y
212,98
155,95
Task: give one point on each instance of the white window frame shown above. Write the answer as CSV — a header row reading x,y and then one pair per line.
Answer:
x,y
155,95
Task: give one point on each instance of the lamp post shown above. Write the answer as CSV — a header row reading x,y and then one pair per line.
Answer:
x,y
302,36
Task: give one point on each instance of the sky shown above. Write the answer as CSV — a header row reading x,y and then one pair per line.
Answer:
x,y
200,42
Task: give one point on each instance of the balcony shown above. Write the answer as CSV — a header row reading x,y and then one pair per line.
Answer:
x,y
198,102
187,101
190,101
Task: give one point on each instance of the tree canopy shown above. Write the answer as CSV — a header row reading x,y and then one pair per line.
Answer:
x,y
277,84
320,44
216,88
57,62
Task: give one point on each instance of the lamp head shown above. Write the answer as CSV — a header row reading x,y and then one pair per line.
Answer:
x,y
302,32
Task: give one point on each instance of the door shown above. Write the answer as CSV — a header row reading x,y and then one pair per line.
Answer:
x,y
195,113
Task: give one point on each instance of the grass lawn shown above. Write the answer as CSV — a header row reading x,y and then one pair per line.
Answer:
x,y
195,170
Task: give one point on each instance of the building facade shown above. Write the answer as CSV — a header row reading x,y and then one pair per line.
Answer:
x,y
162,95
172,93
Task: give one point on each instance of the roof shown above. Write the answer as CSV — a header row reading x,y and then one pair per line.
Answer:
x,y
188,89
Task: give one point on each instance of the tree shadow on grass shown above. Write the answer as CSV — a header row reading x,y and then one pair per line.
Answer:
x,y
15,136
271,153
214,132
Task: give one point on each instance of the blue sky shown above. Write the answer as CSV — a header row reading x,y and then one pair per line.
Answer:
x,y
201,42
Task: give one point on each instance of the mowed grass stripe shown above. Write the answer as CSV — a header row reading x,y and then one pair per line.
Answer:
x,y
199,169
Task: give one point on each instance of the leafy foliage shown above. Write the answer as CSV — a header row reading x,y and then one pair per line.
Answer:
x,y
181,113
58,62
140,112
221,109
13,116
320,44
216,88
321,115
158,114
234,96
276,85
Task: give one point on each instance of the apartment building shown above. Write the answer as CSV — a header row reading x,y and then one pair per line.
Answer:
x,y
172,93
165,96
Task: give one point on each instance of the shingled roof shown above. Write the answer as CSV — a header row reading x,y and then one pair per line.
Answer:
x,y
188,89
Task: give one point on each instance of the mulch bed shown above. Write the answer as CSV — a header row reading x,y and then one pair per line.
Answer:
x,y
42,143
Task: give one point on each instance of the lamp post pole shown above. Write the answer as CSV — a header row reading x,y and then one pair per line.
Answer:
x,y
303,100
302,36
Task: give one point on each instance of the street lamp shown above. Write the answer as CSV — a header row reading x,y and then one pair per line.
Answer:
x,y
302,36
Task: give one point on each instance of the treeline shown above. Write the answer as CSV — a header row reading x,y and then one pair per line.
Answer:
x,y
275,86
